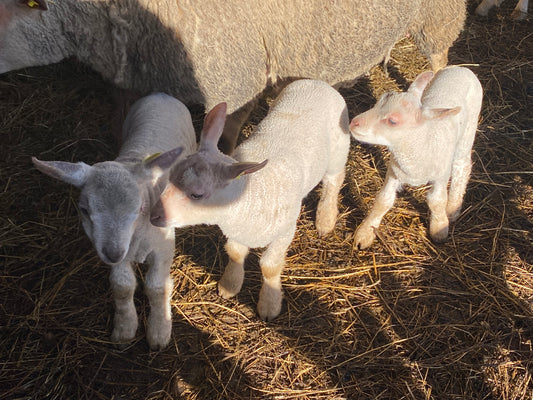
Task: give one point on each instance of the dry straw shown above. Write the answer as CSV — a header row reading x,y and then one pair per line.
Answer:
x,y
405,319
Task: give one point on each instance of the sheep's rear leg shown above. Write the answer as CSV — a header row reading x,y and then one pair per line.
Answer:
x,y
272,262
231,282
327,209
520,11
365,233
158,289
460,176
123,284
438,222
484,7
438,60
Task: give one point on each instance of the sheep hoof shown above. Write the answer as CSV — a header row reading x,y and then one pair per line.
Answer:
x,y
439,235
158,338
364,236
227,290
269,305
124,329
518,15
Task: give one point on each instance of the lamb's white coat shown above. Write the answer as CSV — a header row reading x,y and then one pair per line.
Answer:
x,y
305,139
115,201
429,131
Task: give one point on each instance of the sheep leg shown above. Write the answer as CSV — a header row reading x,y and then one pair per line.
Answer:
x,y
438,60
158,289
272,262
123,284
231,282
365,233
484,7
327,209
460,176
520,11
437,199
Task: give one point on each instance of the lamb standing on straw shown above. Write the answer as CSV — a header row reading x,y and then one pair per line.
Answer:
x,y
115,201
429,131
303,140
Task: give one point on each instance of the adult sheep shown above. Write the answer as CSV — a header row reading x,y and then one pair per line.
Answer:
x,y
211,51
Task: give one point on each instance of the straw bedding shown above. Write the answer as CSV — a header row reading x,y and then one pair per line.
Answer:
x,y
404,319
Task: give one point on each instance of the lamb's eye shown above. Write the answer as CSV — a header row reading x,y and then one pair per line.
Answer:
x,y
84,211
392,121
196,196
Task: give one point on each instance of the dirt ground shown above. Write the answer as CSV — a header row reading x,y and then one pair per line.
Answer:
x,y
404,319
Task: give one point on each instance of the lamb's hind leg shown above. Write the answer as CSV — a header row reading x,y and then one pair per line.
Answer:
x,y
460,175
438,221
327,209
461,168
272,262
231,282
158,289
123,284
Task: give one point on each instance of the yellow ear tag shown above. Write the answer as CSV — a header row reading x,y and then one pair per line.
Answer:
x,y
151,157
32,4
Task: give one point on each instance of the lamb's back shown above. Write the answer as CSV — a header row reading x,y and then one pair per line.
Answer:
x,y
298,135
155,124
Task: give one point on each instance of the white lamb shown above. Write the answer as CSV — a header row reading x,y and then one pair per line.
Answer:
x,y
429,131
115,201
305,139
519,12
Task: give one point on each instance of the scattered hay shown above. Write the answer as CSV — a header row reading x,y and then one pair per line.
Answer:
x,y
405,319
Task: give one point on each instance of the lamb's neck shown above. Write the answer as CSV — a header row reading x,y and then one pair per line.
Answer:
x,y
409,153
225,206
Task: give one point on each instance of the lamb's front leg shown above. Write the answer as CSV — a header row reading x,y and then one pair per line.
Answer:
x,y
272,262
437,198
231,282
365,233
327,210
158,289
123,284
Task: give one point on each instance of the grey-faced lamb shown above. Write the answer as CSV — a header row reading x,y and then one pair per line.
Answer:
x,y
255,197
429,131
211,51
115,201
519,12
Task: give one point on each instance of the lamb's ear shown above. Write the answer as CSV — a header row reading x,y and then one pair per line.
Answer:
x,y
420,83
237,170
157,164
163,161
439,113
213,127
73,173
